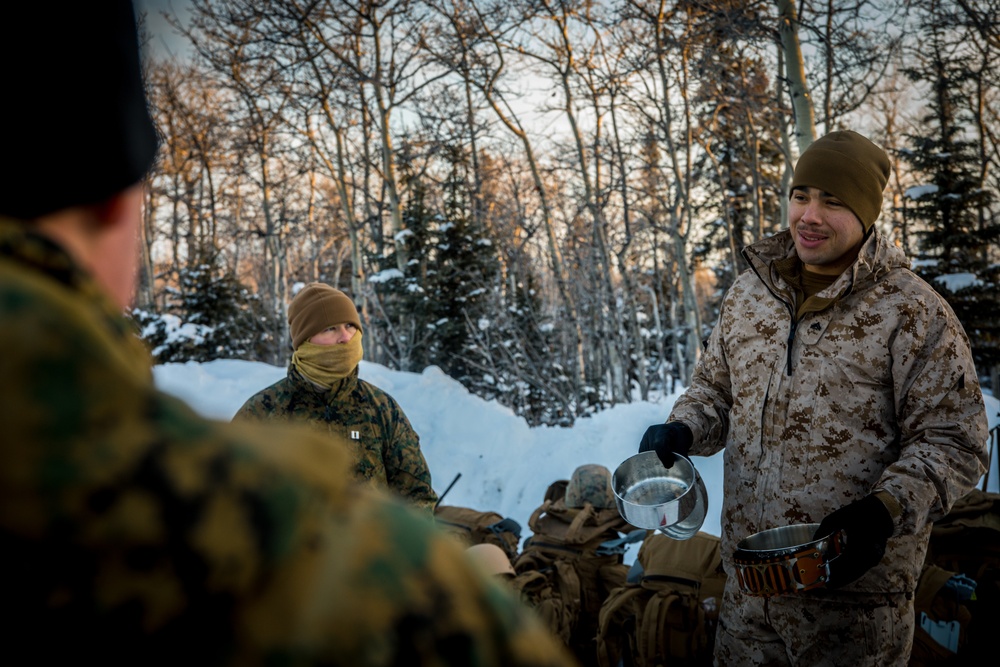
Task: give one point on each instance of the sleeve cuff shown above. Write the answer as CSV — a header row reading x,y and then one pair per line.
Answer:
x,y
890,502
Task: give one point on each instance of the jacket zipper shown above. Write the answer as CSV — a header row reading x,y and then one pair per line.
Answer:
x,y
791,316
788,346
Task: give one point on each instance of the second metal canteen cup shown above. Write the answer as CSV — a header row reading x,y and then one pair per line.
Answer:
x,y
649,495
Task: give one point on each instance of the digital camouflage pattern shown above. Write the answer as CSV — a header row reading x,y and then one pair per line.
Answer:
x,y
590,483
828,629
386,448
876,392
133,531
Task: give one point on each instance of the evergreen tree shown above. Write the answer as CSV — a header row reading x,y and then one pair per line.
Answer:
x,y
450,281
738,131
212,316
403,312
547,390
516,355
462,283
956,232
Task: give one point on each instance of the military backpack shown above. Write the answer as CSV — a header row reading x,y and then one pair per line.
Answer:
x,y
668,610
473,526
957,602
571,562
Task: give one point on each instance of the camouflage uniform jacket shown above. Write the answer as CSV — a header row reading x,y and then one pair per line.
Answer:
x,y
877,391
386,448
133,531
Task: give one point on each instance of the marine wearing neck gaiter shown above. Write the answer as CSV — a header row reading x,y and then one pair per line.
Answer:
x,y
326,364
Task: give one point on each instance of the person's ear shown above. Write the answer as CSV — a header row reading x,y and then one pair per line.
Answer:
x,y
115,250
118,209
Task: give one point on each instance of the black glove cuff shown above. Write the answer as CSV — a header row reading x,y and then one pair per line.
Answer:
x,y
881,518
684,438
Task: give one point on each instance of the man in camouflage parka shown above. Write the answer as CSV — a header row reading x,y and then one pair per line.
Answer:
x,y
323,390
843,390
133,531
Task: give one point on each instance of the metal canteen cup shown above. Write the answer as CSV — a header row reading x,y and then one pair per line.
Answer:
x,y
649,495
785,560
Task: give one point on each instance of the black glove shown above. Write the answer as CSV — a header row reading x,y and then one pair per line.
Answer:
x,y
867,525
666,440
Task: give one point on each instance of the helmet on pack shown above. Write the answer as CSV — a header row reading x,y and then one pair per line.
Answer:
x,y
590,483
492,559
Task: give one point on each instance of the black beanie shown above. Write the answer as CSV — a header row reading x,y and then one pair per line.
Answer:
x,y
849,167
74,124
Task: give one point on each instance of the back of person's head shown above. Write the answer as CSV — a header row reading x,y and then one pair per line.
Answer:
x,y
317,307
74,125
590,483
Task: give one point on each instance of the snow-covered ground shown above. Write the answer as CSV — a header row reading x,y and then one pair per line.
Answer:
x,y
505,466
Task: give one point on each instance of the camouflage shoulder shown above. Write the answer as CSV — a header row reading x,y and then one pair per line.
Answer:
x,y
379,396
266,403
424,600
284,449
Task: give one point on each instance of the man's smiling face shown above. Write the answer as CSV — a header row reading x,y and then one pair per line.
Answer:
x,y
827,234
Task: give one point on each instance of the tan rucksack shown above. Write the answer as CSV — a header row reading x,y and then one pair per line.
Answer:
x,y
942,619
669,612
472,527
568,566
957,600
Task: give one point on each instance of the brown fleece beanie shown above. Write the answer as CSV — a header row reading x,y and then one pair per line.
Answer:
x,y
317,307
849,167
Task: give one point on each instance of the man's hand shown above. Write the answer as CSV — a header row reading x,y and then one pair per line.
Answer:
x,y
868,526
666,440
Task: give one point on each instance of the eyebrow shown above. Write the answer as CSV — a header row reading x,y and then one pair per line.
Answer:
x,y
822,193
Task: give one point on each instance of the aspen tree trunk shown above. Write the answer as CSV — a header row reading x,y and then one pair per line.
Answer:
x,y
630,292
385,137
798,88
276,256
195,226
357,262
511,122
602,273
757,199
478,214
680,161
175,226
786,149
213,204
389,178
144,297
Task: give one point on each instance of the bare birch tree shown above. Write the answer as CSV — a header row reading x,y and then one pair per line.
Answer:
x,y
227,37
795,73
486,69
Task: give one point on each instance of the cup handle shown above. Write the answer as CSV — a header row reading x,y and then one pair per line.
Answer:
x,y
834,549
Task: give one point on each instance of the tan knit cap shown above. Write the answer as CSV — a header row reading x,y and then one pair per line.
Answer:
x,y
317,307
491,558
849,167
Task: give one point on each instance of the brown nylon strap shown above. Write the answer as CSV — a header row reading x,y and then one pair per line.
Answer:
x,y
801,571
